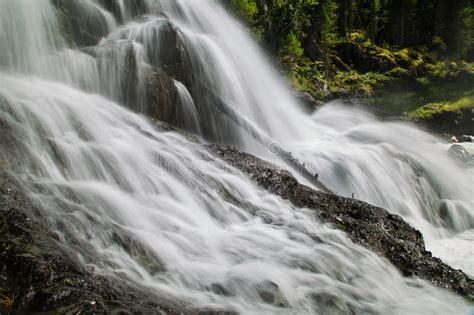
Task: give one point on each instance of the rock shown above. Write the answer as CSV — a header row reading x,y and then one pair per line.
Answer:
x,y
36,276
172,55
311,104
134,8
461,155
83,23
118,60
467,138
164,97
270,293
374,228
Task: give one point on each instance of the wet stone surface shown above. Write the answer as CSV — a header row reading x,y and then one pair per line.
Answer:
x,y
374,228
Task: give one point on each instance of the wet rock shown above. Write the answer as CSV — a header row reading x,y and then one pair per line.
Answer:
x,y
133,8
219,289
330,303
118,60
270,293
310,103
467,138
36,276
82,22
164,97
172,55
459,153
374,228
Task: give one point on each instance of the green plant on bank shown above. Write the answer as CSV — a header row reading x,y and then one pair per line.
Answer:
x,y
346,48
358,83
446,69
427,111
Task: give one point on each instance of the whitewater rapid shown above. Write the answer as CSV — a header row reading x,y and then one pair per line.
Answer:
x,y
132,201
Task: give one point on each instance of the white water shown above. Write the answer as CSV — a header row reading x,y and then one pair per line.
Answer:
x,y
149,206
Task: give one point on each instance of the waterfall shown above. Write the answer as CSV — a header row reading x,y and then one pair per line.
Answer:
x,y
138,203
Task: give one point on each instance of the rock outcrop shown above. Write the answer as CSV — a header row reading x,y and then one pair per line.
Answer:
x,y
36,276
374,228
83,23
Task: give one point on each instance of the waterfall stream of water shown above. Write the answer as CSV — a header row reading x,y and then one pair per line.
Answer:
x,y
135,202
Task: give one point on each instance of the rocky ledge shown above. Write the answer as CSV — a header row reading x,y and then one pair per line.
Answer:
x,y
374,228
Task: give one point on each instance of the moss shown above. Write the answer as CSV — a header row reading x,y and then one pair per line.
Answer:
x,y
444,69
423,81
431,109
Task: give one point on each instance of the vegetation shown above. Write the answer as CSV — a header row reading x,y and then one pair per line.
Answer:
x,y
369,48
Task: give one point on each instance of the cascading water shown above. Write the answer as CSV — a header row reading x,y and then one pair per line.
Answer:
x,y
135,202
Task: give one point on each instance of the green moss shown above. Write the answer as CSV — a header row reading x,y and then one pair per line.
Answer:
x,y
423,81
431,109
444,69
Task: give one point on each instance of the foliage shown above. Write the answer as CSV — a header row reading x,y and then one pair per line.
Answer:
x,y
293,46
334,48
445,69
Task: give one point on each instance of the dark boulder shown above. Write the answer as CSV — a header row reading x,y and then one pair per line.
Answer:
x,y
172,56
82,22
374,228
134,8
164,97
